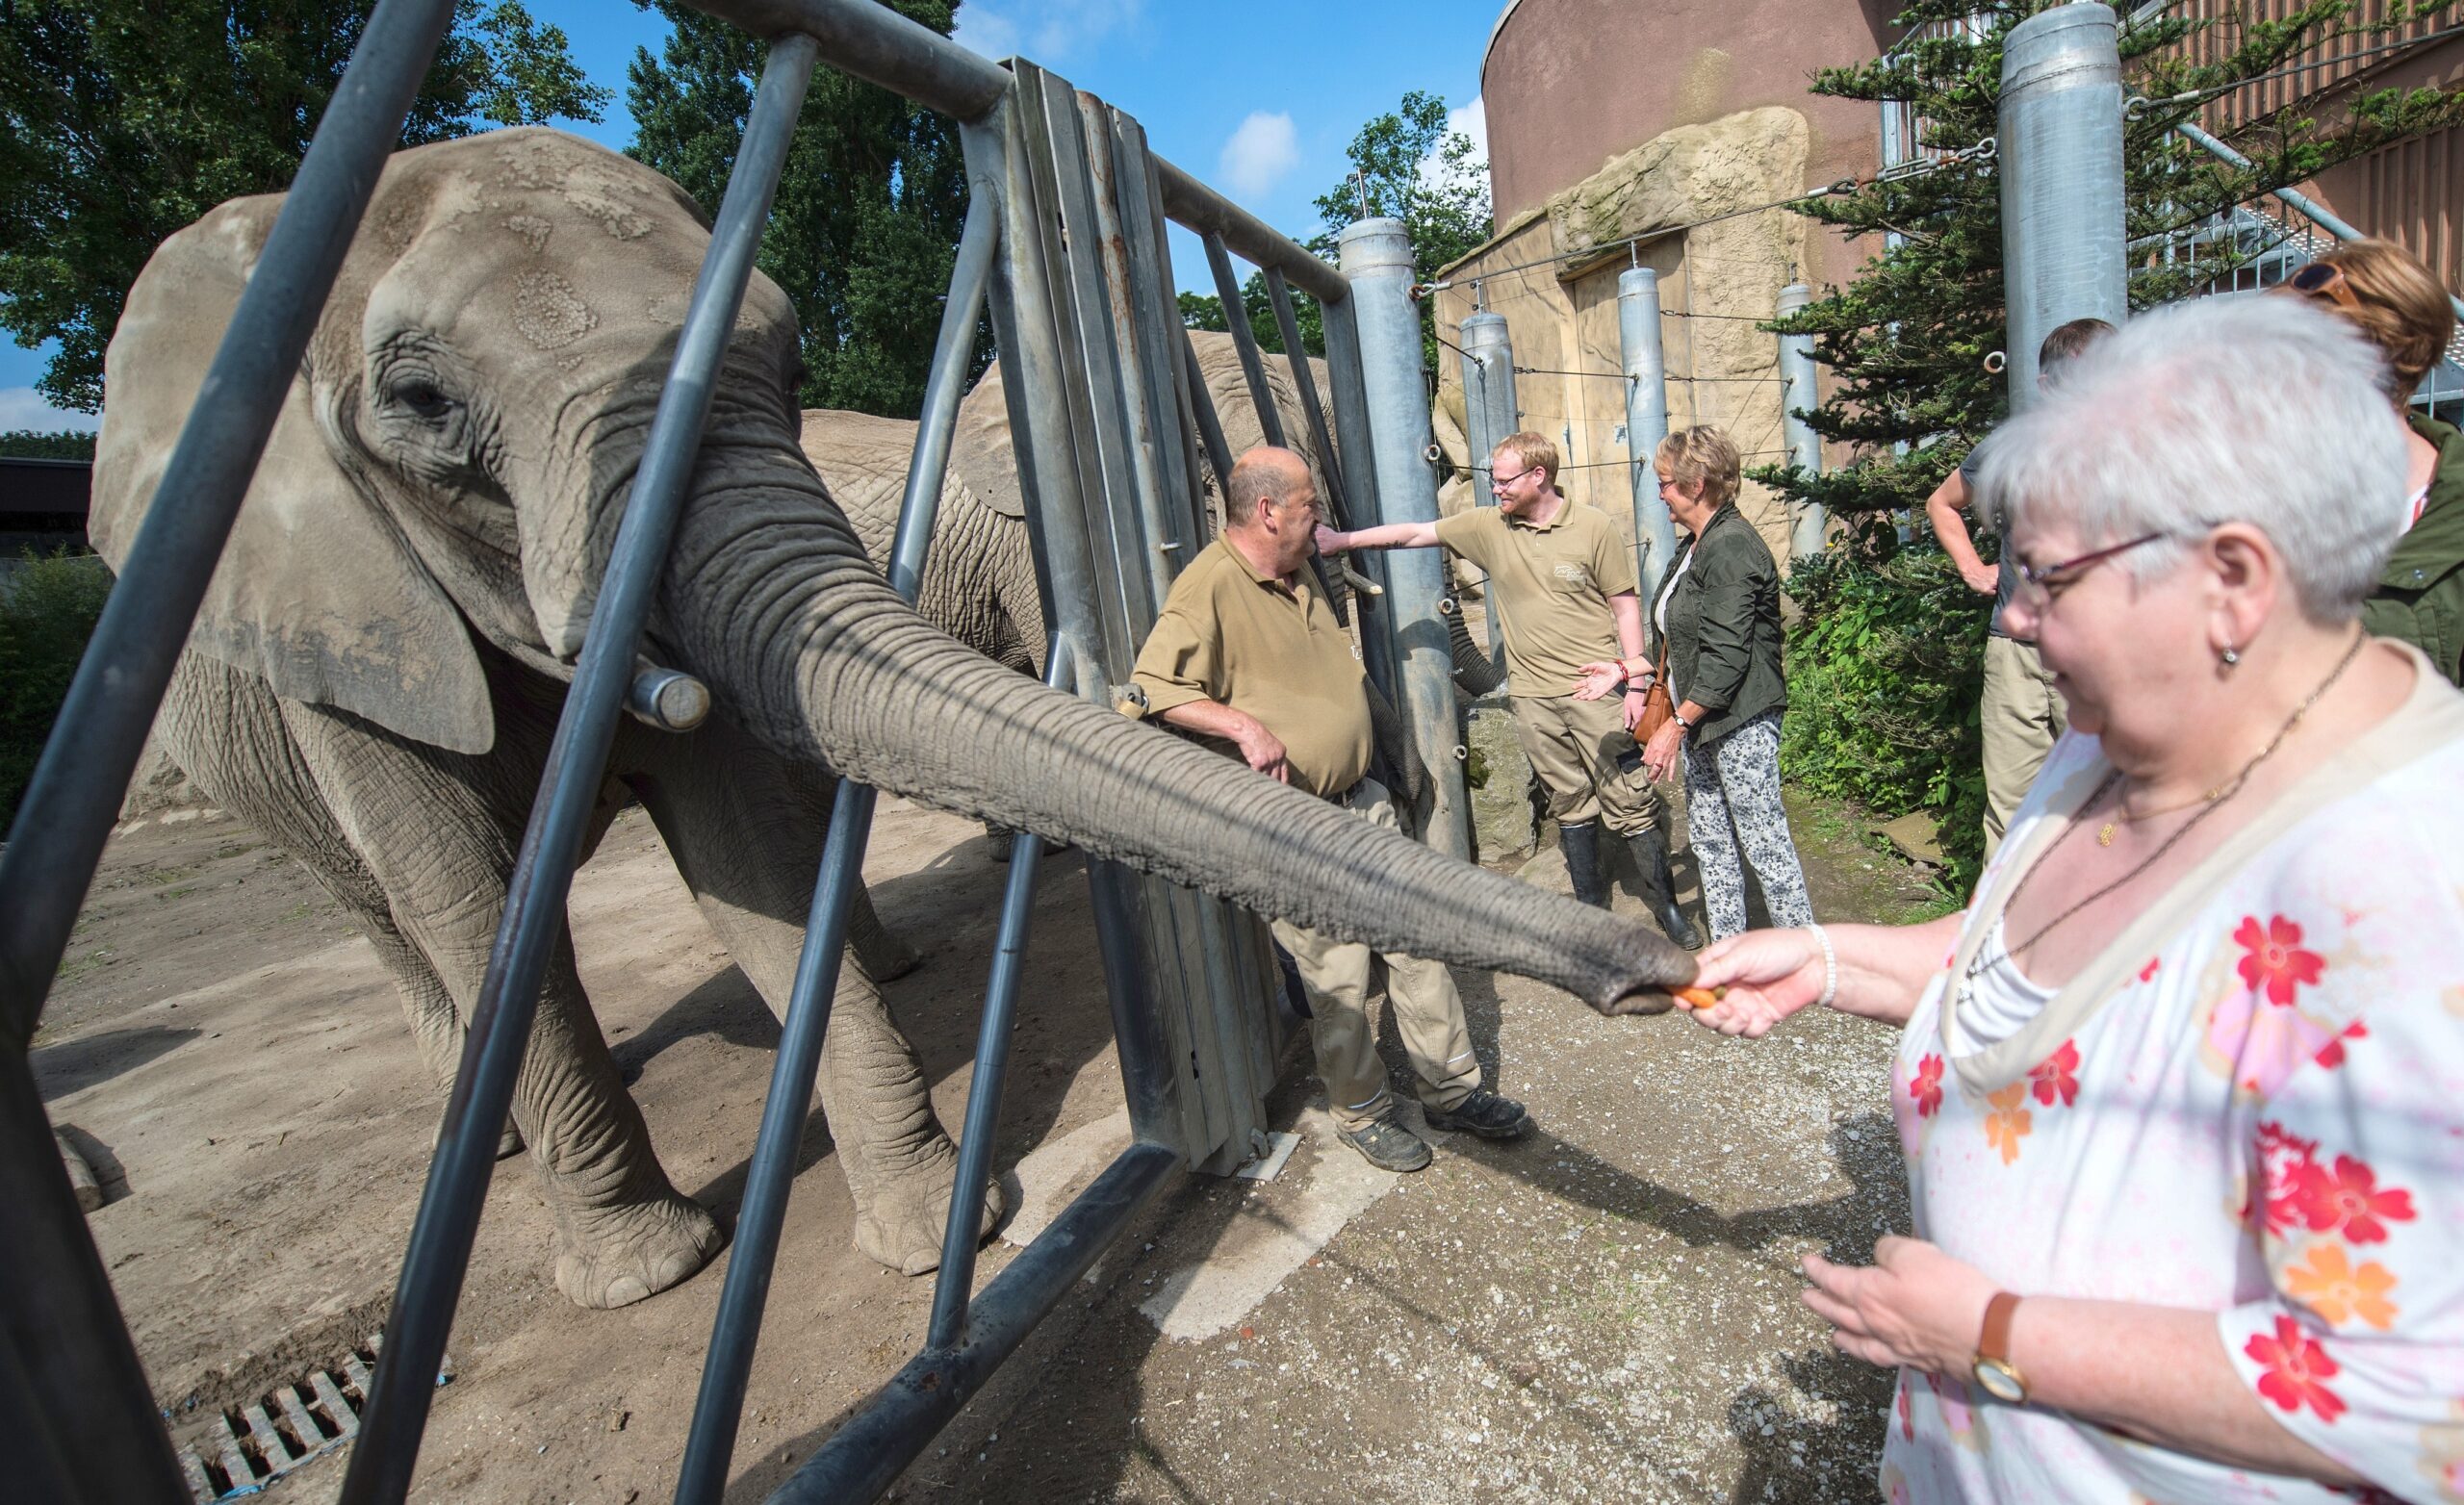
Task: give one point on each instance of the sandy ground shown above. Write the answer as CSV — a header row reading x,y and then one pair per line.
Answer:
x,y
1605,1311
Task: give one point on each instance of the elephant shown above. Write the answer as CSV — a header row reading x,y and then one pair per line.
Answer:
x,y
382,654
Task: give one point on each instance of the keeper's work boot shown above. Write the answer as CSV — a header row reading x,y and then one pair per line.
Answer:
x,y
1485,1113
1659,887
1582,846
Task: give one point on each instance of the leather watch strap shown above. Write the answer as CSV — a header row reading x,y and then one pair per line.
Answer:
x,y
1995,1343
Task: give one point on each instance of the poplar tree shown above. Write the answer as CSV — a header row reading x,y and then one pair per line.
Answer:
x,y
1886,661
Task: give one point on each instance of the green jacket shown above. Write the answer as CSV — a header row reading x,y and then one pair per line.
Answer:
x,y
1723,627
2419,596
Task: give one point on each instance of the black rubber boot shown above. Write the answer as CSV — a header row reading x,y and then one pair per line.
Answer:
x,y
1659,887
1582,846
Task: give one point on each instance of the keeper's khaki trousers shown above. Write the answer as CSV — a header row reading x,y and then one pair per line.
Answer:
x,y
1428,1012
2020,715
1572,746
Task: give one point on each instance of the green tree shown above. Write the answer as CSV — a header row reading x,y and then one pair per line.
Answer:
x,y
1205,310
1407,166
122,121
869,208
1886,662
49,607
26,444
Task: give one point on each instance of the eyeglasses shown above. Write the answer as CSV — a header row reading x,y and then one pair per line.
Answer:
x,y
2049,580
1498,482
2324,280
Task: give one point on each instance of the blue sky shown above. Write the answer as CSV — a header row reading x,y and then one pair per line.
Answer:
x,y
1258,98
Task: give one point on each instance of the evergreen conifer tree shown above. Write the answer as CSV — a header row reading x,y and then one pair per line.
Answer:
x,y
1886,659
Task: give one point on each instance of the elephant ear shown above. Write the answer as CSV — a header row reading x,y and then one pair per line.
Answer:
x,y
981,455
318,591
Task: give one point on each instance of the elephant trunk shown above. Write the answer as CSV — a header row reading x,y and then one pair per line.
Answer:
x,y
772,598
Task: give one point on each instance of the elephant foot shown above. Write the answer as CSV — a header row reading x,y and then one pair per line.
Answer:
x,y
510,1142
887,959
613,1256
902,1228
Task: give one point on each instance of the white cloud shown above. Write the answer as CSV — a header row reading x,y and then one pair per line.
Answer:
x,y
23,407
1260,153
1469,119
1045,31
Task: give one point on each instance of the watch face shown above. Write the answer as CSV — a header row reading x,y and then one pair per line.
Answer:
x,y
2000,1381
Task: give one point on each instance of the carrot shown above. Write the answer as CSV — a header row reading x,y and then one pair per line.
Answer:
x,y
1700,997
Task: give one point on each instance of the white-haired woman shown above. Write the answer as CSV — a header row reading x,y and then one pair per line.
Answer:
x,y
2182,1092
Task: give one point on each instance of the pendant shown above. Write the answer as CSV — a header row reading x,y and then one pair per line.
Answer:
x,y
2105,837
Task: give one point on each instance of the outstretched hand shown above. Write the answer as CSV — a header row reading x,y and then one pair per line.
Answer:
x,y
1769,974
1595,681
1331,542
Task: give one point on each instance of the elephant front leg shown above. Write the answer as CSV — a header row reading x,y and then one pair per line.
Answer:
x,y
623,1230
437,834
748,845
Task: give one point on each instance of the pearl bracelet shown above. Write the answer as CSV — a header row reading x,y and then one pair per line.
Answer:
x,y
1830,965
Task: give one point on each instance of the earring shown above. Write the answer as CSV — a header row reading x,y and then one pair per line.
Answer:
x,y
2230,656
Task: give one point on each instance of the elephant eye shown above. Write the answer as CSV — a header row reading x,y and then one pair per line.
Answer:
x,y
422,397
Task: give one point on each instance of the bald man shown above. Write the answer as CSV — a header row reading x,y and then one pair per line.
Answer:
x,y
1247,653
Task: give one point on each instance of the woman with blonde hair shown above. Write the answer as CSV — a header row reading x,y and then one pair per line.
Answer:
x,y
1717,617
2182,1091
2404,310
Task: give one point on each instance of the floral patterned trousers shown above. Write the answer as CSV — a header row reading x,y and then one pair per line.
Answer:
x,y
1733,803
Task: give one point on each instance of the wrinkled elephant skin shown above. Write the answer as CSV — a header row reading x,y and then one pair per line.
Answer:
x,y
382,654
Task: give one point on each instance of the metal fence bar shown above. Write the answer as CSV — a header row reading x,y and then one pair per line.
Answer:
x,y
1210,423
2059,129
965,1231
1194,205
1378,648
1306,381
1244,340
1799,394
2303,204
534,917
73,799
870,40
72,1373
736,1329
878,1441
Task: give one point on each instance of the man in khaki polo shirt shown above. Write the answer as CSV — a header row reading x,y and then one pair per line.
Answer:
x,y
1563,584
1247,652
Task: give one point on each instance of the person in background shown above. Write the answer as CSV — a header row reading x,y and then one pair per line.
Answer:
x,y
2021,714
1563,584
1718,616
2182,1091
2404,311
1248,652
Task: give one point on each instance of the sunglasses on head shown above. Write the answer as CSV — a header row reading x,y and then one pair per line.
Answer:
x,y
2323,280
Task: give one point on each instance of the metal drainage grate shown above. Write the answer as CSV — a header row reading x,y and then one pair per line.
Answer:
x,y
245,1450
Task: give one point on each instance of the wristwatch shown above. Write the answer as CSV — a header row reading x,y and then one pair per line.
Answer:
x,y
1993,1367
1679,717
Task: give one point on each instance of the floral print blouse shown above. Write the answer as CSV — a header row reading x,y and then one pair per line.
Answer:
x,y
2253,1103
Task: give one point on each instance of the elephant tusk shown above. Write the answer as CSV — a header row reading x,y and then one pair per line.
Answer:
x,y
1361,582
667,698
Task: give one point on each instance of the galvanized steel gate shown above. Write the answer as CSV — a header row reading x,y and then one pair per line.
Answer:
x,y
1064,236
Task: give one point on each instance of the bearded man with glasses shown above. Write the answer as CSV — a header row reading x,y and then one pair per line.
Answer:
x,y
1563,584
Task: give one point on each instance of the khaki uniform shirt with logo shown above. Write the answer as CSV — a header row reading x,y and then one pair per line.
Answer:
x,y
1233,636
1550,586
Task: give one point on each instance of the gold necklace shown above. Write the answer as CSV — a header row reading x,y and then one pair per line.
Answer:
x,y
2209,807
2105,835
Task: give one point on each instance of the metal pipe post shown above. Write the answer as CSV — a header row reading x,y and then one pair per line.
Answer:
x,y
736,1329
437,1259
1377,256
1645,367
948,1327
2060,144
1490,413
1798,396
1244,340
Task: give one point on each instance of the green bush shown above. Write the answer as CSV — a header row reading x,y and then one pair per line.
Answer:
x,y
1885,666
48,608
